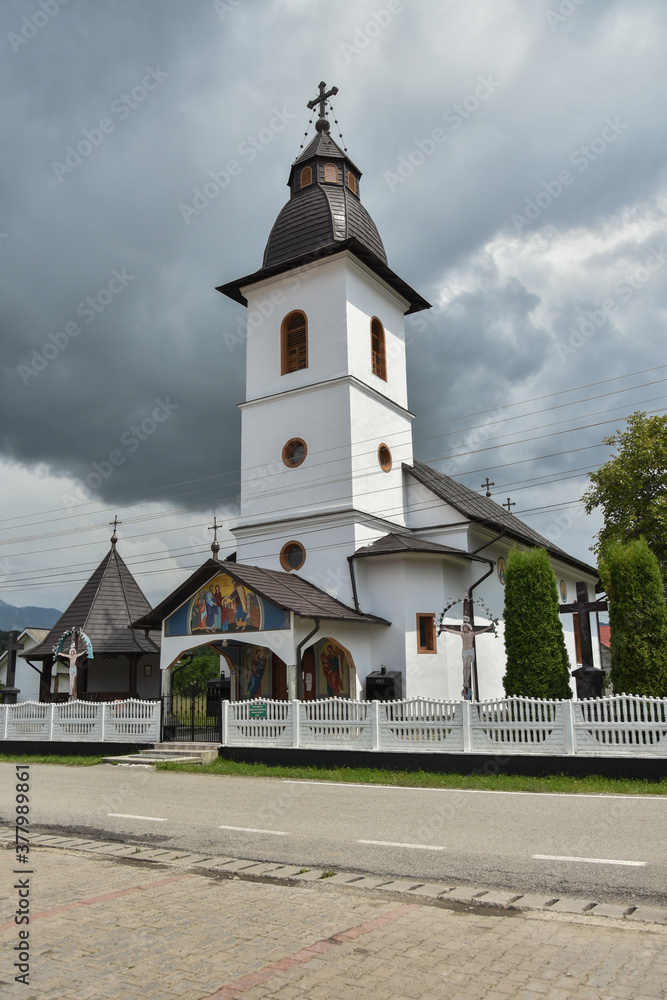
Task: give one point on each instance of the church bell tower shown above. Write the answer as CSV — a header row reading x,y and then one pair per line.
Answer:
x,y
325,423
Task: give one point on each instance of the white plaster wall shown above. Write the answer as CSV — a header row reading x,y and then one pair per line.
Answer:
x,y
423,508
374,423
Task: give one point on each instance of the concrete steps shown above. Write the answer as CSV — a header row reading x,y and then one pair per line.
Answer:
x,y
183,753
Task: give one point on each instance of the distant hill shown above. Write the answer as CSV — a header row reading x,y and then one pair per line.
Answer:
x,y
20,618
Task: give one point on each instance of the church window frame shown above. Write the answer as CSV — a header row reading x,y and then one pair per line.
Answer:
x,y
426,637
331,175
306,177
378,349
294,453
293,342
351,182
292,556
385,461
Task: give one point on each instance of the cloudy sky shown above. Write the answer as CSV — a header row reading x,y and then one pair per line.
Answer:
x,y
514,159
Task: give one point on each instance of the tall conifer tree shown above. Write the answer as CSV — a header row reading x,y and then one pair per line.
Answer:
x,y
537,661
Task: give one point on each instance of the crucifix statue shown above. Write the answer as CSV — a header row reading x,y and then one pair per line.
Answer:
x,y
322,125
72,656
468,630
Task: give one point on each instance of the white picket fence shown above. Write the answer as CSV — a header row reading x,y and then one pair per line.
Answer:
x,y
130,721
624,725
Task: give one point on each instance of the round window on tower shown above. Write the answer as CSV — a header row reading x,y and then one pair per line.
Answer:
x,y
384,458
294,453
292,556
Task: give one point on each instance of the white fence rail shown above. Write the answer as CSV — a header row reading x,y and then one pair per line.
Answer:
x,y
130,721
625,725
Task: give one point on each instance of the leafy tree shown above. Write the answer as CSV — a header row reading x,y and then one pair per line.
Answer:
x,y
631,576
631,488
205,667
537,661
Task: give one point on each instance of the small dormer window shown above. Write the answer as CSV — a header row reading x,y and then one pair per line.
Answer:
x,y
352,183
331,173
306,177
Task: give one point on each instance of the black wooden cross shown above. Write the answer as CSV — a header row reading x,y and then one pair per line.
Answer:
x,y
488,486
13,646
583,607
509,504
322,99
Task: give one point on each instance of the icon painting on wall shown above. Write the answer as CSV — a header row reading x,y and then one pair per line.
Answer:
x,y
255,678
224,605
333,675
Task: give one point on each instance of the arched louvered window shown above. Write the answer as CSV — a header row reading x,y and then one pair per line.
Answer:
x,y
378,353
294,342
306,177
352,183
331,173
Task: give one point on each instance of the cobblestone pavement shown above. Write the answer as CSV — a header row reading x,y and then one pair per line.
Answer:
x,y
109,926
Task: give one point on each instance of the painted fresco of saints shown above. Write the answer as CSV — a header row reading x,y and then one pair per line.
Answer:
x,y
210,610
256,667
333,671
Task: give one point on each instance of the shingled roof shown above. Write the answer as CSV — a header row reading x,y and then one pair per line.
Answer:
x,y
394,543
286,590
484,510
104,608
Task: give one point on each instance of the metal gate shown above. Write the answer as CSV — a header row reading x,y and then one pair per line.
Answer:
x,y
192,717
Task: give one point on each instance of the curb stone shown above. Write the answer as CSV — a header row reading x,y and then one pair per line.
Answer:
x,y
435,891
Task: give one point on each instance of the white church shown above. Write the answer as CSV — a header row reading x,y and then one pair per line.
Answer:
x,y
348,548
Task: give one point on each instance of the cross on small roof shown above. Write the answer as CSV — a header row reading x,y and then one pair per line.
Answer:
x,y
508,505
215,546
487,486
115,523
324,95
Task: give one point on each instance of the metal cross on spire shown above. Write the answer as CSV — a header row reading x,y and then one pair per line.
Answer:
x,y
487,485
322,124
215,545
115,523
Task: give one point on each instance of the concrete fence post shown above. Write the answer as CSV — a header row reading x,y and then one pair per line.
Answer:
x,y
467,726
569,737
52,720
224,730
296,723
375,725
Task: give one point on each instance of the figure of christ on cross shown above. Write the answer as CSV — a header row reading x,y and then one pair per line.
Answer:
x,y
467,631
72,656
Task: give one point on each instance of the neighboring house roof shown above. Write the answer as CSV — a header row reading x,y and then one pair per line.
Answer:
x,y
287,590
104,608
484,510
605,635
394,543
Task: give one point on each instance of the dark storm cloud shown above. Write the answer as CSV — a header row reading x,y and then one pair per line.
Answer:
x,y
181,186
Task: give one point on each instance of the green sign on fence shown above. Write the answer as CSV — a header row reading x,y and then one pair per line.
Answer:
x,y
257,711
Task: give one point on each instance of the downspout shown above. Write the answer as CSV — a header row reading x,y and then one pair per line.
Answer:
x,y
299,662
354,584
472,586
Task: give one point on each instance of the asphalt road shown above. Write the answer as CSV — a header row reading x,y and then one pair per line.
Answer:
x,y
481,838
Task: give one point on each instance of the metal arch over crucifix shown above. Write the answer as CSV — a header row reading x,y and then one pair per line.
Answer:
x,y
215,545
322,123
487,485
582,608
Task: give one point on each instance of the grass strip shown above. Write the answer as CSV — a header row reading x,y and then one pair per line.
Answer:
x,y
593,784
51,758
